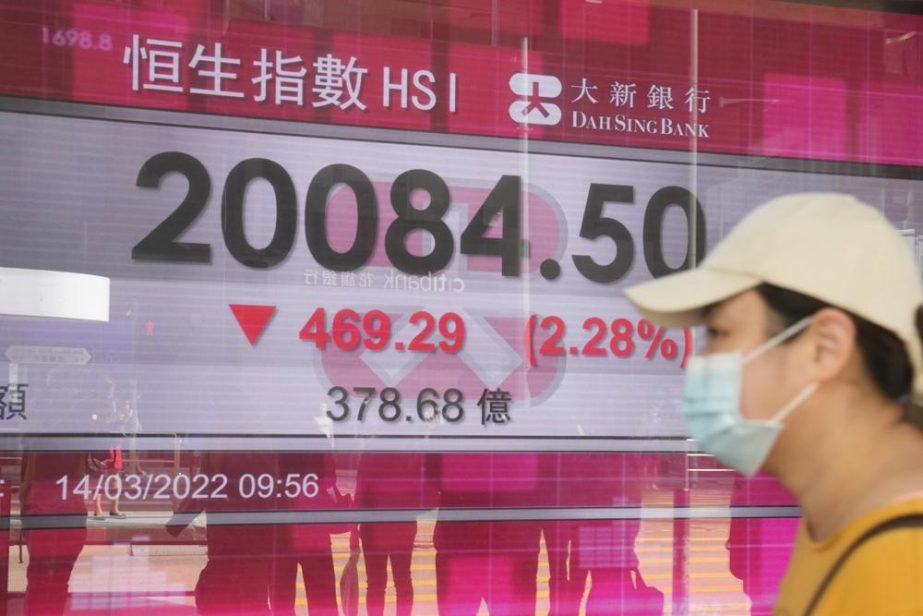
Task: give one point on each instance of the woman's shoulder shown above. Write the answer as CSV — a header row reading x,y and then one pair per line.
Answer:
x,y
886,566
891,532
882,573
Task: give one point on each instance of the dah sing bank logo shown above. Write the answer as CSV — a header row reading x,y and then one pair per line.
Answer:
x,y
619,106
534,107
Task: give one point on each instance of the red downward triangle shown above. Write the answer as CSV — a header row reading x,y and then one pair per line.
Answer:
x,y
252,319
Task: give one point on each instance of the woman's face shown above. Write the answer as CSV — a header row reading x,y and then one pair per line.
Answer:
x,y
741,324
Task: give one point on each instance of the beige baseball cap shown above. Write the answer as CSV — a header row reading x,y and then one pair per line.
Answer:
x,y
828,246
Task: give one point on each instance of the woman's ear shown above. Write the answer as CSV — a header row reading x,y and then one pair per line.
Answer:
x,y
832,336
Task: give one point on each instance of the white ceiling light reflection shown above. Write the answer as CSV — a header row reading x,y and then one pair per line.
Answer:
x,y
50,294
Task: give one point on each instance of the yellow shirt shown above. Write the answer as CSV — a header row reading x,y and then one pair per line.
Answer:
x,y
883,577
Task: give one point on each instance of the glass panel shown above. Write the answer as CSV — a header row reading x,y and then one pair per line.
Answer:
x,y
360,342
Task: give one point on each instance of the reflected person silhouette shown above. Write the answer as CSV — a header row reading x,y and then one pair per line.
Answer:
x,y
307,545
389,481
54,527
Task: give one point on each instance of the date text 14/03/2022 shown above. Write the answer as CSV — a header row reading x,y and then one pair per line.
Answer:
x,y
162,486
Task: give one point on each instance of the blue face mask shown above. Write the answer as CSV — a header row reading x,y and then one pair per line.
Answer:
x,y
711,406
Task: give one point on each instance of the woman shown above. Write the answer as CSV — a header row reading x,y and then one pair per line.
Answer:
x,y
812,370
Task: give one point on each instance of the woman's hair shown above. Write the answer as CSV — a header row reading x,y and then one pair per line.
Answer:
x,y
883,353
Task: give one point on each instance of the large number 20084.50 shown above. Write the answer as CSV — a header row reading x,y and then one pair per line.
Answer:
x,y
503,202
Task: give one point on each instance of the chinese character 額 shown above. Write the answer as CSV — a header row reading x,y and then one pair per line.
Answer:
x,y
697,98
495,406
660,97
217,74
623,94
584,91
332,75
13,401
163,62
329,279
289,81
347,279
